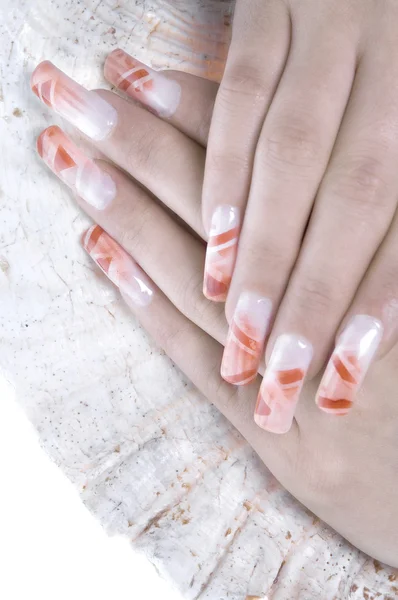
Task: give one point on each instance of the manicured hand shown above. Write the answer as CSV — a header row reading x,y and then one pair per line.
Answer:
x,y
154,252
300,196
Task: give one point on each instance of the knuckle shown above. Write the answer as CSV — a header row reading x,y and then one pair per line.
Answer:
x,y
217,389
230,399
132,234
147,151
170,339
243,80
195,306
363,182
292,143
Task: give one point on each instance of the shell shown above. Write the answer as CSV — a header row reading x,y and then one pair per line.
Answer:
x,y
152,459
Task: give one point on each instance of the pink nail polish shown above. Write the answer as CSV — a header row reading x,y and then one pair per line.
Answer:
x,y
349,364
282,383
221,252
84,109
75,169
121,269
142,83
246,338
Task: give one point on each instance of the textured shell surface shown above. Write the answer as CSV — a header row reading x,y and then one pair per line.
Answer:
x,y
152,459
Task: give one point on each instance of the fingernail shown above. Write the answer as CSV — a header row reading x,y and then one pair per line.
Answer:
x,y
349,364
221,252
282,383
142,83
75,169
119,267
246,338
84,109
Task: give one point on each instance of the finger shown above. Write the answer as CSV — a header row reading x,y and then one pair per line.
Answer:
x,y
369,330
353,211
291,156
186,101
142,232
255,62
163,159
140,225
194,352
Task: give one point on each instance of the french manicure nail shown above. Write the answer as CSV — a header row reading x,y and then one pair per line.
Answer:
x,y
75,169
142,83
246,338
84,109
120,268
349,364
221,252
282,383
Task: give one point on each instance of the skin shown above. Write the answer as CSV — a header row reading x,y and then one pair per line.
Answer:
x,y
304,141
343,469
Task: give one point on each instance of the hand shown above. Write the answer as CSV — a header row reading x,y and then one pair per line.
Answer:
x,y
301,169
342,471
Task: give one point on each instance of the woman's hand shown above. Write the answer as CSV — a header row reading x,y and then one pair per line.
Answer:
x,y
301,170
343,471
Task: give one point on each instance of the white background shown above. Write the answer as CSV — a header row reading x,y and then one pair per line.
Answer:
x,y
50,545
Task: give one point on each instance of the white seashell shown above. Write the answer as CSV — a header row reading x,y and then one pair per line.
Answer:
x,y
153,460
